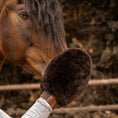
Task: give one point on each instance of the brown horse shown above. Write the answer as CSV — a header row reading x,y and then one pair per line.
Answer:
x,y
31,33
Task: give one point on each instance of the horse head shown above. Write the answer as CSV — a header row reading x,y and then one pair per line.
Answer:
x,y
31,33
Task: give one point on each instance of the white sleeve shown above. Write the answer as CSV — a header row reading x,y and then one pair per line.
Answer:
x,y
40,109
3,114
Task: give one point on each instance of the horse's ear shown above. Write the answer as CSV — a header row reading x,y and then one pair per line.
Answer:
x,y
20,1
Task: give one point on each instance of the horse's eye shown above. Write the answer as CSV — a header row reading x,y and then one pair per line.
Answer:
x,y
24,15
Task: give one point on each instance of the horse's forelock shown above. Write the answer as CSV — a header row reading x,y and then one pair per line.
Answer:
x,y
47,17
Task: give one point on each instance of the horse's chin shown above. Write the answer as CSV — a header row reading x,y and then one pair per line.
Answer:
x,y
42,69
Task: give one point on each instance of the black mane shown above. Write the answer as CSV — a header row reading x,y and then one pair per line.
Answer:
x,y
47,17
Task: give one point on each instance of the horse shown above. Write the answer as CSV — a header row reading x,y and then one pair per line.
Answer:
x,y
31,33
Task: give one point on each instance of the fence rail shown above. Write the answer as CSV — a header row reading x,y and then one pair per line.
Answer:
x,y
88,108
37,86
70,109
73,109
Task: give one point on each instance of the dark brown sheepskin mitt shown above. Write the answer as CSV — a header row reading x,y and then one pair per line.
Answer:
x,y
67,75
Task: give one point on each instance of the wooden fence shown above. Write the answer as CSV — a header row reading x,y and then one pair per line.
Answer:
x,y
70,109
37,86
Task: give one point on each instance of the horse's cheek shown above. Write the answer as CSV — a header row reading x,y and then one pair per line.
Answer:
x,y
13,50
12,43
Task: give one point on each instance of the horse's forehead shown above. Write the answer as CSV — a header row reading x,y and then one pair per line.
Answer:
x,y
11,1
6,3
14,1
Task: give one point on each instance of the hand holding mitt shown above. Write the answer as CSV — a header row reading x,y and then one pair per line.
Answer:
x,y
67,75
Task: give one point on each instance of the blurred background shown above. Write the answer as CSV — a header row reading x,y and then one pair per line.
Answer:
x,y
93,26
